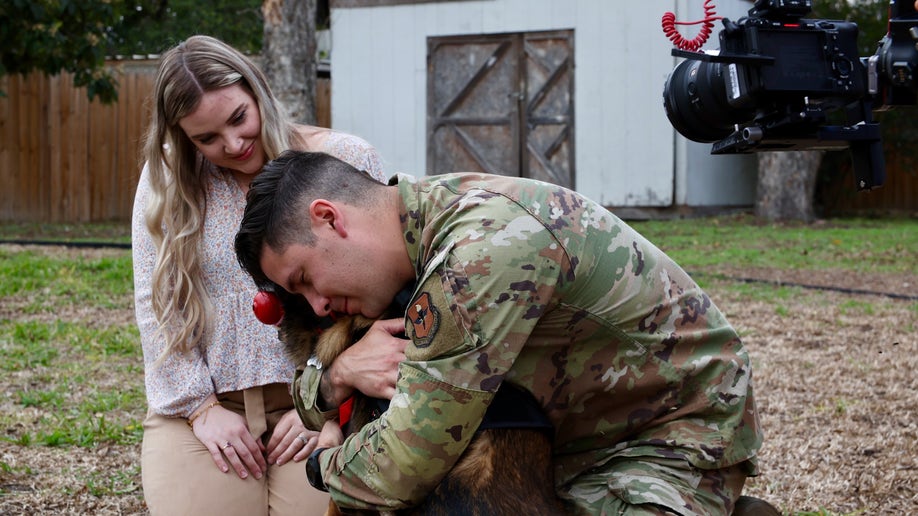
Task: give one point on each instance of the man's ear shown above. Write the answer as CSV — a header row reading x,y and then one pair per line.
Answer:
x,y
323,213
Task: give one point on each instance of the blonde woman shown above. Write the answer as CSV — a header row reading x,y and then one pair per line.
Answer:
x,y
221,434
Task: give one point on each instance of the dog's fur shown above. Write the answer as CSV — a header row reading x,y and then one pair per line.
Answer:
x,y
504,471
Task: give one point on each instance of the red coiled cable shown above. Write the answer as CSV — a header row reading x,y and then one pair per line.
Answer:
x,y
669,28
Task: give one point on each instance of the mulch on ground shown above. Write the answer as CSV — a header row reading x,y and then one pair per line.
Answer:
x,y
835,379
837,389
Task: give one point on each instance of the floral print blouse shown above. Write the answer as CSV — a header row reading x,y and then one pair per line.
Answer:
x,y
240,352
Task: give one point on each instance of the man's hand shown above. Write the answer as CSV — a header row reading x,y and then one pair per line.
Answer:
x,y
369,366
290,440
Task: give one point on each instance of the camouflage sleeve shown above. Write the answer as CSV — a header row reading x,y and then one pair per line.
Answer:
x,y
305,393
395,461
467,324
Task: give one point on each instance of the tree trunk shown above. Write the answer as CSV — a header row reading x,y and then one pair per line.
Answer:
x,y
289,55
787,184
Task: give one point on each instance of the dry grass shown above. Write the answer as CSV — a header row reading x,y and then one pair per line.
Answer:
x,y
71,481
837,390
835,377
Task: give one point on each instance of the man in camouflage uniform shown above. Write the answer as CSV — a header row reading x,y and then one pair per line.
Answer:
x,y
646,383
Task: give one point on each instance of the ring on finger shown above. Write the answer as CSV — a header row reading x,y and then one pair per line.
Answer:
x,y
227,445
303,438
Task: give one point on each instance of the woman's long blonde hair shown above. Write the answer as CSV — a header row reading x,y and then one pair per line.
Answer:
x,y
177,173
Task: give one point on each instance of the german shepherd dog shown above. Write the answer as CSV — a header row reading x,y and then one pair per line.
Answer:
x,y
507,468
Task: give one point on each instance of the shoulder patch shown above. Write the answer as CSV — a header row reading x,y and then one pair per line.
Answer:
x,y
425,320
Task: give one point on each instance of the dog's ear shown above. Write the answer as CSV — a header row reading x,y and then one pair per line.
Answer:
x,y
299,327
297,305
335,339
305,334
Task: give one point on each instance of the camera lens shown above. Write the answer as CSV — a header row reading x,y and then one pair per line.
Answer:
x,y
695,99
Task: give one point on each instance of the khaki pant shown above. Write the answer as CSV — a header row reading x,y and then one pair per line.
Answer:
x,y
180,477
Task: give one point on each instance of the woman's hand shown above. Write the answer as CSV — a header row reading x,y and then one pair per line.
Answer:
x,y
369,366
227,437
291,440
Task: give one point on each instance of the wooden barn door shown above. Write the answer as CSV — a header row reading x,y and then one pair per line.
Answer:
x,y
502,104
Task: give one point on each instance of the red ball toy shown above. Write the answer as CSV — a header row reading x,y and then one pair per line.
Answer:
x,y
268,308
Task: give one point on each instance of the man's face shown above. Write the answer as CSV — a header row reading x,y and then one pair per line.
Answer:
x,y
332,276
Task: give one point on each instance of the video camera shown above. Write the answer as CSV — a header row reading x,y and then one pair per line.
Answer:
x,y
778,78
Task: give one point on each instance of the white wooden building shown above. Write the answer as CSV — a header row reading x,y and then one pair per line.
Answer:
x,y
448,85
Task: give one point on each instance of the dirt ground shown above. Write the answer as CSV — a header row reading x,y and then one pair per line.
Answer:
x,y
835,378
837,393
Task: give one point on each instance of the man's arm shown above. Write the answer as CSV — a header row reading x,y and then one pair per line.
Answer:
x,y
370,366
462,347
398,459
306,398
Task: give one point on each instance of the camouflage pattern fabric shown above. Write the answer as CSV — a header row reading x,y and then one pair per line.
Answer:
x,y
647,485
531,283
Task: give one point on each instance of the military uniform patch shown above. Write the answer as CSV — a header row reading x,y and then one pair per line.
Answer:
x,y
425,320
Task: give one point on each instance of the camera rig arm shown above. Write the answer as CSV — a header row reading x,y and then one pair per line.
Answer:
x,y
778,77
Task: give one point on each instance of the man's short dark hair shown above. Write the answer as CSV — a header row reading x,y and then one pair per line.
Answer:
x,y
278,198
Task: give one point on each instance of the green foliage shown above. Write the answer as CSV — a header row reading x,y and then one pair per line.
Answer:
x,y
238,22
899,127
870,16
61,35
75,36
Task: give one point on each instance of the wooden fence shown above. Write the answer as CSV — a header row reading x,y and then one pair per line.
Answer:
x,y
65,159
899,193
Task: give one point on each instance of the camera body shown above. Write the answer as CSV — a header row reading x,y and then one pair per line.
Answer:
x,y
784,82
